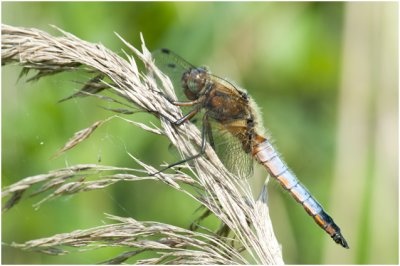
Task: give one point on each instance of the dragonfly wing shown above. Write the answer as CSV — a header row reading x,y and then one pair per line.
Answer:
x,y
173,66
230,151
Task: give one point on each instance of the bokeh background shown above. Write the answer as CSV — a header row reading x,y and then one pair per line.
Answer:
x,y
324,74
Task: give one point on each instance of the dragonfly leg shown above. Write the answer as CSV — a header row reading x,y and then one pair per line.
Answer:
x,y
180,103
181,120
188,103
186,117
196,223
202,149
208,130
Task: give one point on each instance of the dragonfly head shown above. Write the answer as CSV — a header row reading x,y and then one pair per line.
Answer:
x,y
194,82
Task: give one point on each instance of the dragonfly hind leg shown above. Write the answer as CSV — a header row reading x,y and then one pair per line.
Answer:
x,y
204,131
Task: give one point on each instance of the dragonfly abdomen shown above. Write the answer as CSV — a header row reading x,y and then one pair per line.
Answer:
x,y
266,154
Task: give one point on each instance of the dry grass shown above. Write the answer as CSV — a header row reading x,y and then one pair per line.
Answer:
x,y
229,198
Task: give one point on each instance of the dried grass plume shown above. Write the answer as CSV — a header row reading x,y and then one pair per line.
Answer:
x,y
227,197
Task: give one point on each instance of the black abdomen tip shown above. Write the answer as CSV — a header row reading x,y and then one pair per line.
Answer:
x,y
338,238
165,50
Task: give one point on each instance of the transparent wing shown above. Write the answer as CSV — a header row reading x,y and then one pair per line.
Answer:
x,y
229,86
230,150
173,66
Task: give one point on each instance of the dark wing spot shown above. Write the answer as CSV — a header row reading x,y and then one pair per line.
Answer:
x,y
165,50
171,65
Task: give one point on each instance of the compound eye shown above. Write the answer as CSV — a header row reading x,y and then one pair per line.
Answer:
x,y
194,81
194,85
204,69
197,80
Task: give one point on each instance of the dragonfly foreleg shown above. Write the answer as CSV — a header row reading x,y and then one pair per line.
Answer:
x,y
180,103
187,103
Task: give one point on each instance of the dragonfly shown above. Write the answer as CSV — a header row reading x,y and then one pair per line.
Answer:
x,y
231,125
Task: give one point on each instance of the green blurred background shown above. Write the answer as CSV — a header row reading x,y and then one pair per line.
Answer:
x,y
324,75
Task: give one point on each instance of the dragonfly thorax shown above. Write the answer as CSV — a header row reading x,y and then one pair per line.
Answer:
x,y
225,107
